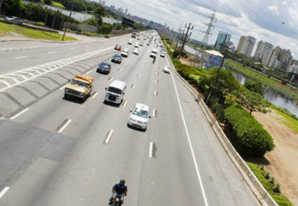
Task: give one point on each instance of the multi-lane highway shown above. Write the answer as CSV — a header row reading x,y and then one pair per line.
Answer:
x,y
67,152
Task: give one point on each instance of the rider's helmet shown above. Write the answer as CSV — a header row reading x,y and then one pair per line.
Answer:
x,y
122,182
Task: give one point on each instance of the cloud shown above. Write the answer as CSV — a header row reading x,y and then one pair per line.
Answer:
x,y
276,24
274,10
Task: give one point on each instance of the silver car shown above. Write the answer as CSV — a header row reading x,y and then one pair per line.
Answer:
x,y
14,19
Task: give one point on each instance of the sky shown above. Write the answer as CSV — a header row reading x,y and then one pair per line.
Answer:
x,y
273,21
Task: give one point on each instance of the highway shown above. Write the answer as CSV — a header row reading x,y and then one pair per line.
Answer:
x,y
62,152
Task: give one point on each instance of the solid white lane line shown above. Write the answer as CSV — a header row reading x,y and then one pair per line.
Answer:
x,y
88,72
190,144
51,52
18,114
108,136
111,78
151,149
138,75
155,93
22,57
64,126
133,86
156,81
94,95
119,70
125,102
2,193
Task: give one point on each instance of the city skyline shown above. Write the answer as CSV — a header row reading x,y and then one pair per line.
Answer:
x,y
271,21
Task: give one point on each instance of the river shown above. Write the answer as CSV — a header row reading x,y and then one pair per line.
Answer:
x,y
273,96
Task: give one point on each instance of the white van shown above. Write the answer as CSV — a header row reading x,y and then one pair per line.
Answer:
x,y
115,92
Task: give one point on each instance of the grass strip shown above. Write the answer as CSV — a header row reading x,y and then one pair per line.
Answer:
x,y
31,33
278,198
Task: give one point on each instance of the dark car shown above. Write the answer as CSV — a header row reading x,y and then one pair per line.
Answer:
x,y
104,67
117,58
118,47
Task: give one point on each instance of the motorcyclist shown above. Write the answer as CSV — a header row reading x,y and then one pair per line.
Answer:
x,y
120,189
154,58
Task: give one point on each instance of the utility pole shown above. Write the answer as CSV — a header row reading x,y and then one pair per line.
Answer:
x,y
206,37
186,37
217,74
67,22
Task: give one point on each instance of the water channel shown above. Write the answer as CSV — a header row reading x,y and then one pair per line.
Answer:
x,y
273,96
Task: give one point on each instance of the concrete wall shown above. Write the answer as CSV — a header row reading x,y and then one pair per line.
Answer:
x,y
81,27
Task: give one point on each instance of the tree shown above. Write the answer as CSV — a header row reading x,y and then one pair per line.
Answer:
x,y
252,101
48,2
100,11
254,86
12,7
226,82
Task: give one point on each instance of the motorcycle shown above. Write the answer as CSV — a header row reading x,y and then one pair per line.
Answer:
x,y
153,60
117,200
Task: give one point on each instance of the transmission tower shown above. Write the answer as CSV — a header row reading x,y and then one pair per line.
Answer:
x,y
206,37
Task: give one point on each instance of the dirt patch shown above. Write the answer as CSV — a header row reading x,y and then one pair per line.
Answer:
x,y
283,160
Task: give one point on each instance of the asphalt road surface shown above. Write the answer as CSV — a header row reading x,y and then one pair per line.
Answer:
x,y
58,152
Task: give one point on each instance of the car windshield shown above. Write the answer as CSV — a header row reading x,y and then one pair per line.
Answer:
x,y
82,84
139,112
117,56
114,90
103,65
154,52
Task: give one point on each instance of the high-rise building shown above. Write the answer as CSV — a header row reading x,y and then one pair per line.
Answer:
x,y
246,45
283,56
126,11
222,39
103,3
263,52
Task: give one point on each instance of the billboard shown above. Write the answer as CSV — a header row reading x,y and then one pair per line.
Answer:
x,y
127,22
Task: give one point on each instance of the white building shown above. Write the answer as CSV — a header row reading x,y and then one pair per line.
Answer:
x,y
246,45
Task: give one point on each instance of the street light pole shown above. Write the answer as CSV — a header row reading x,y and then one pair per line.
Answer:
x,y
216,77
67,22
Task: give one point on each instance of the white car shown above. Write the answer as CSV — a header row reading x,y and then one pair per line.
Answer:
x,y
136,51
125,53
130,42
167,69
136,45
141,44
162,54
139,116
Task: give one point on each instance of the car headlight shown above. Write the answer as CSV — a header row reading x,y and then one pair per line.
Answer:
x,y
66,90
131,119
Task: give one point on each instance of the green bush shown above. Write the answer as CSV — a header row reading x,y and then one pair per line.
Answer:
x,y
251,138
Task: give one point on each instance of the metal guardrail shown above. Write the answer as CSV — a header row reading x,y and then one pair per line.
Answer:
x,y
256,187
